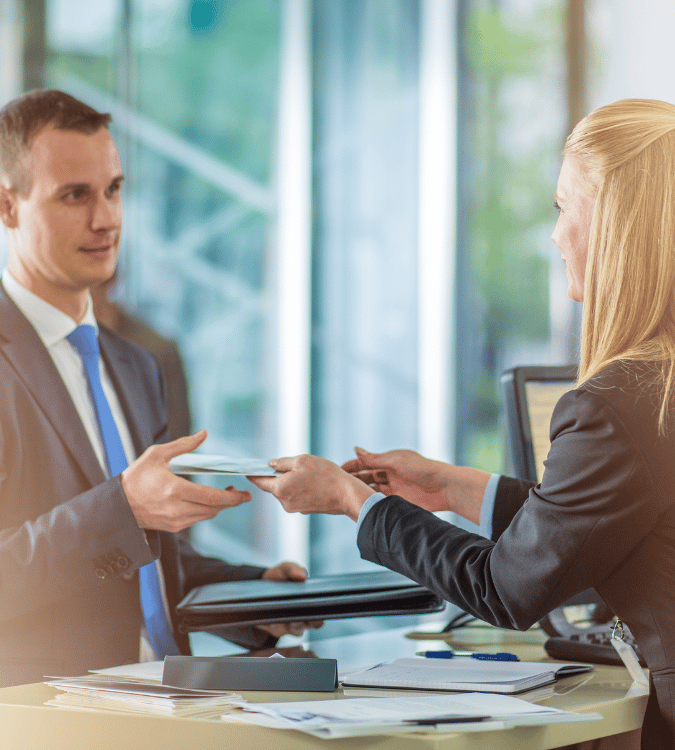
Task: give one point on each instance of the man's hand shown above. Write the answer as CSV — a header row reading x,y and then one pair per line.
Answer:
x,y
161,500
432,485
310,484
287,571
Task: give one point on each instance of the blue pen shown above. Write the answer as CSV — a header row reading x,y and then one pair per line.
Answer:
x,y
482,657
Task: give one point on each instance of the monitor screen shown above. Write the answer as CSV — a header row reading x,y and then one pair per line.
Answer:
x,y
541,397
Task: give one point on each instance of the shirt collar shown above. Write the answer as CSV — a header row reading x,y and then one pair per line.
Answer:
x,y
49,322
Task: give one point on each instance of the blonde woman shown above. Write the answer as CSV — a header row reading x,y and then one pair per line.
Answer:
x,y
604,513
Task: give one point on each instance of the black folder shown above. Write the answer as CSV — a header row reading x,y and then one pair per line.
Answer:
x,y
256,602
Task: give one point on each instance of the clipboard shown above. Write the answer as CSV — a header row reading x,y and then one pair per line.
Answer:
x,y
251,673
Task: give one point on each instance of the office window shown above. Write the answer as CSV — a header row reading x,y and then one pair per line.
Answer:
x,y
365,368
368,76
512,304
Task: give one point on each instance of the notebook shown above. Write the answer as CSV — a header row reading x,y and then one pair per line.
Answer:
x,y
463,674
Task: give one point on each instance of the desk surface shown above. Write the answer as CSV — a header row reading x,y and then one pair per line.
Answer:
x,y
25,723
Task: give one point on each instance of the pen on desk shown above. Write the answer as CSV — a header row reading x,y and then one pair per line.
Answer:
x,y
454,719
502,656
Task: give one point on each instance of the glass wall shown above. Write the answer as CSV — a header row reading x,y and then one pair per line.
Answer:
x,y
508,306
366,254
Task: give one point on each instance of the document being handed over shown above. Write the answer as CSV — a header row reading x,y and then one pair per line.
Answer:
x,y
206,463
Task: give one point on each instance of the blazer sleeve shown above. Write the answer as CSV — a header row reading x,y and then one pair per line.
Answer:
x,y
79,544
596,488
510,497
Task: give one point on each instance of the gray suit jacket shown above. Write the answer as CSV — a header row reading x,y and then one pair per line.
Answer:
x,y
603,516
69,544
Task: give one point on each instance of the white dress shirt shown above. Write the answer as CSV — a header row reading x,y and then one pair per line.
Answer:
x,y
53,327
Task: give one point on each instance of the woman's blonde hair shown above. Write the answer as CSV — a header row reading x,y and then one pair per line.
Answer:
x,y
626,155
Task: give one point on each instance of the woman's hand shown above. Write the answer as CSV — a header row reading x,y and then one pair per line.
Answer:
x,y
310,484
432,485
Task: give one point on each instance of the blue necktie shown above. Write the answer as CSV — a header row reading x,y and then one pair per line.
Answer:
x,y
84,339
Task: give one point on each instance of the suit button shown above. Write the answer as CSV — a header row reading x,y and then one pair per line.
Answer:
x,y
123,562
100,573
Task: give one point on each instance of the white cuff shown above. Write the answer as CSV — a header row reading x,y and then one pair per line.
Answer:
x,y
487,509
366,507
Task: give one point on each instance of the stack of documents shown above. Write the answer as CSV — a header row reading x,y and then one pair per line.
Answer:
x,y
470,712
463,674
96,692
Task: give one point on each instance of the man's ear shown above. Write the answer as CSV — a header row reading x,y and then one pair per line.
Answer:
x,y
9,205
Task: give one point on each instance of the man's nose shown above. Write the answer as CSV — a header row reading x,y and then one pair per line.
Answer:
x,y
106,213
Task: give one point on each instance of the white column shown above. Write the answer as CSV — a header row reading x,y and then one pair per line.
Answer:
x,y
11,73
11,49
293,263
437,227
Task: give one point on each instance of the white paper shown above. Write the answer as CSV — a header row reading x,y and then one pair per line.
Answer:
x,y
148,671
359,716
205,463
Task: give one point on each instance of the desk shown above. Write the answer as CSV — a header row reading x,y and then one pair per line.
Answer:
x,y
26,724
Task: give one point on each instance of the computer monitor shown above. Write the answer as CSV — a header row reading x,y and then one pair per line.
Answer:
x,y
530,395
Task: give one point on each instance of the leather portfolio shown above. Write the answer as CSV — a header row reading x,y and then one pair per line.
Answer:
x,y
330,597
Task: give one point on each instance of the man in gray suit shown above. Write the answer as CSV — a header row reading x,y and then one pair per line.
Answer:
x,y
76,527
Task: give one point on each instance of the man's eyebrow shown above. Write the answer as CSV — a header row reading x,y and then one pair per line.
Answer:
x,y
72,186
85,185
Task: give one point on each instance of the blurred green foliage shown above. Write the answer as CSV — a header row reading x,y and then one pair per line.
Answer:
x,y
509,206
207,71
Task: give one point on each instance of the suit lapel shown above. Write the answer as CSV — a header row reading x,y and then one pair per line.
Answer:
x,y
25,351
129,388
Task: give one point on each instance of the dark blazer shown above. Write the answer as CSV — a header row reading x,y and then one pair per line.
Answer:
x,y
603,516
69,544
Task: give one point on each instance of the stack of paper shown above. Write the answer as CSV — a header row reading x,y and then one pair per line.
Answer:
x,y
97,692
471,712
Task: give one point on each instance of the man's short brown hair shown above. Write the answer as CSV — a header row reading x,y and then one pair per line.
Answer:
x,y
24,117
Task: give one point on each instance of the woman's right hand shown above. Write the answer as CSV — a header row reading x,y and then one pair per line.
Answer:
x,y
432,485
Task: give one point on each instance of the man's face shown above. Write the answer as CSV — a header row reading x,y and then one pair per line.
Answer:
x,y
65,233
